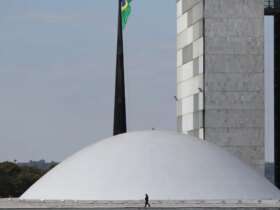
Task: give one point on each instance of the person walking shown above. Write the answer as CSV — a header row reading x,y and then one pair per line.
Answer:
x,y
147,204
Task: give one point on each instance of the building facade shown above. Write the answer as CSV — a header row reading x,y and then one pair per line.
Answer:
x,y
220,74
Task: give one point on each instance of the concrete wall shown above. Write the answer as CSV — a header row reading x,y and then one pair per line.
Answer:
x,y
234,77
230,108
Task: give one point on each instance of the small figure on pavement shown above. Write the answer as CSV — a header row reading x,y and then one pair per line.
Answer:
x,y
147,204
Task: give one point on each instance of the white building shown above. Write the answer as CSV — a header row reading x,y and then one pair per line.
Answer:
x,y
166,165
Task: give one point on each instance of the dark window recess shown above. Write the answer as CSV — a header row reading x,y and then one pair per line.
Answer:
x,y
277,98
272,7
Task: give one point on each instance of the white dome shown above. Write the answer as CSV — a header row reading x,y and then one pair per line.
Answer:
x,y
166,165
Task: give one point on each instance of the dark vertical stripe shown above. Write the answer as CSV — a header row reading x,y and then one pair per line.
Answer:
x,y
277,98
204,71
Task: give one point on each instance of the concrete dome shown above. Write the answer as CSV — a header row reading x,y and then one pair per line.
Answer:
x,y
166,165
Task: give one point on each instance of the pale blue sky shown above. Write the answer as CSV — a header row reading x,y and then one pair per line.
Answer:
x,y
57,68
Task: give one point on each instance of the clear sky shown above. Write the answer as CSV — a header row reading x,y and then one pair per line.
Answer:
x,y
57,68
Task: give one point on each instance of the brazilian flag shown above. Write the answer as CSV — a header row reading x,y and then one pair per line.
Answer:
x,y
125,11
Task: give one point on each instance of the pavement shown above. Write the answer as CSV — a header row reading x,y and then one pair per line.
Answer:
x,y
13,203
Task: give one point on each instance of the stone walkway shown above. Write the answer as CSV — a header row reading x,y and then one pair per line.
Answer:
x,y
36,204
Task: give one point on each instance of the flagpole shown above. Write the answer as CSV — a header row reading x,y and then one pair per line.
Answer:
x,y
120,106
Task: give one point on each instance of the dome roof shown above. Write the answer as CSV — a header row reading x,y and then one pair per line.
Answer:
x,y
166,165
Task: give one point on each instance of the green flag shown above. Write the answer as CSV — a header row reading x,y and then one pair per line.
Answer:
x,y
126,10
